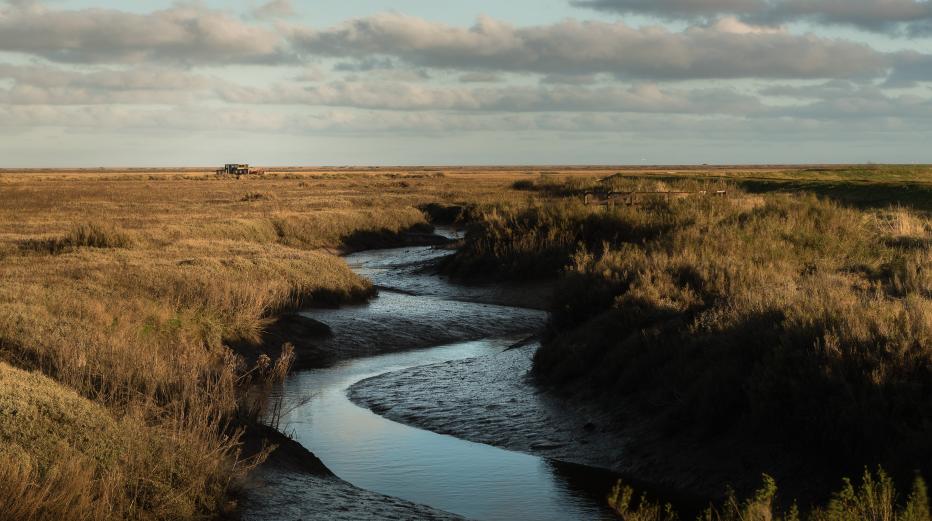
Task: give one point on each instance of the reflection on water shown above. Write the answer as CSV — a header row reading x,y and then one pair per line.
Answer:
x,y
473,480
417,309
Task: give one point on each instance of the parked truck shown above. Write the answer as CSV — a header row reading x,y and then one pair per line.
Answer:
x,y
238,170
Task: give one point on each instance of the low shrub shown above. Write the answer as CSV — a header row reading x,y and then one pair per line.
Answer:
x,y
875,499
85,235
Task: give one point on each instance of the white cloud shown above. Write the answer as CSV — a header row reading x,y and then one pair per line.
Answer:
x,y
183,34
724,50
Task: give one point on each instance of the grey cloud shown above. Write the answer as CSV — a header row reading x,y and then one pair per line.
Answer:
x,y
410,97
43,85
564,79
480,77
872,15
792,127
274,9
311,74
833,102
102,118
728,49
823,90
844,101
910,67
365,64
908,17
186,34
675,8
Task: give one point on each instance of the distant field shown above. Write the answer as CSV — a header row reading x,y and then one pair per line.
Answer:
x,y
863,185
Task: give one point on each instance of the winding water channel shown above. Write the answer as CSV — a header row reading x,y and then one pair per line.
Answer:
x,y
434,321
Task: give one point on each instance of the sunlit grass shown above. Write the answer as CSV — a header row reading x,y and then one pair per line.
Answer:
x,y
124,291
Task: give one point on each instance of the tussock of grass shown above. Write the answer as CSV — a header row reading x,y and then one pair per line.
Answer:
x,y
447,214
63,456
85,235
40,416
249,197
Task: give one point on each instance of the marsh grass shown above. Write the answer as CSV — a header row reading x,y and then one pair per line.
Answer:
x,y
121,292
119,297
785,317
84,235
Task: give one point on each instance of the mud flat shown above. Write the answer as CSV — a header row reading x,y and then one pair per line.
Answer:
x,y
292,495
417,319
490,399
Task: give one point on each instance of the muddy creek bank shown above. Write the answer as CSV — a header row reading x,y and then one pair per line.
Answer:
x,y
418,319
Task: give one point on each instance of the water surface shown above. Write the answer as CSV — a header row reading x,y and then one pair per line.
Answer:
x,y
473,480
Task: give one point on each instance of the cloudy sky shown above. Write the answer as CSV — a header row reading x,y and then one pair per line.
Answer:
x,y
315,82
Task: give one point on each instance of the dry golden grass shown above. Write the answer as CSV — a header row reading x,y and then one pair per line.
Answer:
x,y
124,290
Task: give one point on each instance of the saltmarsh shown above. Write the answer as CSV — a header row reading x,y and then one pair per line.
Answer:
x,y
120,294
781,317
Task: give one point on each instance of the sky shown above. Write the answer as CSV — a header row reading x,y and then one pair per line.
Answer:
x,y
88,83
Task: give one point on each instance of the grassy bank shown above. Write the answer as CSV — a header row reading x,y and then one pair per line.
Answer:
x,y
778,317
119,396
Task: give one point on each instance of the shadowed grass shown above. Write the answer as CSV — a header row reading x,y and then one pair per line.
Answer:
x,y
781,317
874,499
